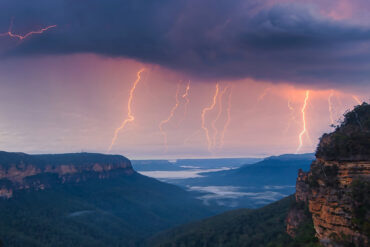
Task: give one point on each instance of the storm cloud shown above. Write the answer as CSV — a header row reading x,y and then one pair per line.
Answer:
x,y
291,41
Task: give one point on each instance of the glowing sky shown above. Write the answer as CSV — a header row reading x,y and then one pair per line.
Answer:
x,y
244,68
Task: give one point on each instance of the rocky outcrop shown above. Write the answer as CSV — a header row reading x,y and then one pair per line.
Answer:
x,y
331,202
297,214
336,189
20,171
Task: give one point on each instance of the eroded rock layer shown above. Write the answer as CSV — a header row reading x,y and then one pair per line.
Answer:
x,y
22,171
336,190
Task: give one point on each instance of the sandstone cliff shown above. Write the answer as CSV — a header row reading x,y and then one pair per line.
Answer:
x,y
19,171
336,189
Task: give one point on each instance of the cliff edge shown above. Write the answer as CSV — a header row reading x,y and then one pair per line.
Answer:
x,y
19,171
336,189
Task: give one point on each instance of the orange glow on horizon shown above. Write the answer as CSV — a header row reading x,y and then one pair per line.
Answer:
x,y
304,130
112,111
204,111
172,112
130,117
22,37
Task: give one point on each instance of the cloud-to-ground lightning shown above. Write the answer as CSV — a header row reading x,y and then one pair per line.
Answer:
x,y
292,117
22,37
204,111
185,97
330,103
130,117
170,116
220,108
263,94
304,129
357,99
290,106
191,136
228,120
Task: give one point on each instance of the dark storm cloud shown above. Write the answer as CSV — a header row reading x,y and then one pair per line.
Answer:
x,y
206,38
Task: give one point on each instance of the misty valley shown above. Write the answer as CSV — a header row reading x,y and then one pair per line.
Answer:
x,y
91,199
231,183
100,200
187,123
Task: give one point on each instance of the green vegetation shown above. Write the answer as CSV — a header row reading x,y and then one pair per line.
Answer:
x,y
305,237
242,228
305,234
119,211
351,139
360,191
77,159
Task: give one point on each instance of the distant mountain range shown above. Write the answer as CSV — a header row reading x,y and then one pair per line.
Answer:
x,y
181,164
272,171
231,183
85,200
331,206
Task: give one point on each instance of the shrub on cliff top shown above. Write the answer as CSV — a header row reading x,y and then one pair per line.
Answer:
x,y
351,139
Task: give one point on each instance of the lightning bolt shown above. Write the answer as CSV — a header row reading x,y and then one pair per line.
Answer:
x,y
331,107
191,136
304,130
22,37
292,117
215,130
264,93
290,106
185,96
357,99
172,112
130,117
228,120
204,111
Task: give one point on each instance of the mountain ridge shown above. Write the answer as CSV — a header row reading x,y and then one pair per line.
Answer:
x,y
86,200
23,171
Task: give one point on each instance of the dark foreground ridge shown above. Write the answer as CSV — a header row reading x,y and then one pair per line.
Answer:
x,y
243,228
85,200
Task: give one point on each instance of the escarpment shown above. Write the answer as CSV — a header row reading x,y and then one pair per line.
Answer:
x,y
19,171
336,190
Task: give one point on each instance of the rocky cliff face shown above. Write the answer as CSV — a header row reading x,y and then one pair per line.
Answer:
x,y
336,189
20,171
328,190
297,213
